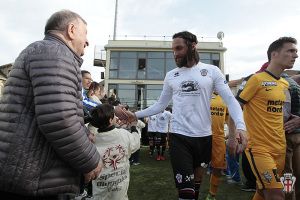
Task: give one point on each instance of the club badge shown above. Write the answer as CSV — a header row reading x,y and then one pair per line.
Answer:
x,y
203,72
288,182
267,176
179,178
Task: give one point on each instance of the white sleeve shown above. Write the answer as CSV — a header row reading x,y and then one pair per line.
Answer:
x,y
164,99
234,108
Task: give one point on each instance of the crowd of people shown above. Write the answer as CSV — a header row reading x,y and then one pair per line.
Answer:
x,y
60,133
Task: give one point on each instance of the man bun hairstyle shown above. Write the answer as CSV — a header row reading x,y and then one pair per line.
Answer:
x,y
60,20
189,38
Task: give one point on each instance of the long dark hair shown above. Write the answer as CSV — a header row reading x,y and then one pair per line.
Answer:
x,y
189,38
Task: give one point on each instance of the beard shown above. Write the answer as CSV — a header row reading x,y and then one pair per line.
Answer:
x,y
182,62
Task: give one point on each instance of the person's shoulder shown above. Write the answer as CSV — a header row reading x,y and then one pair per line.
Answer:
x,y
206,66
173,71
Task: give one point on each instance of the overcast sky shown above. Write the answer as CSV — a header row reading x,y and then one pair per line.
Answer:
x,y
249,26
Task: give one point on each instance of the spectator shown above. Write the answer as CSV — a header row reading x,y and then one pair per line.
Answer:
x,y
44,142
292,135
86,83
115,146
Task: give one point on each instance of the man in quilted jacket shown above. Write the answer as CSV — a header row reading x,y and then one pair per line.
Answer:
x,y
44,144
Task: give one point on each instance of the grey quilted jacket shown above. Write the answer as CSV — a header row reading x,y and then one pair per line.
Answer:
x,y
295,97
43,139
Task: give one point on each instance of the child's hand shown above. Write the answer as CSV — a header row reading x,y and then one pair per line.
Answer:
x,y
92,138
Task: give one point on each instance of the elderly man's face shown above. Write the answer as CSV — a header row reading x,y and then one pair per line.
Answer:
x,y
80,41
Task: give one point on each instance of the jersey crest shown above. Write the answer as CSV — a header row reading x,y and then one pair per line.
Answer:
x,y
203,72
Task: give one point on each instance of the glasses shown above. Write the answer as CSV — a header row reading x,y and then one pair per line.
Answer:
x,y
88,79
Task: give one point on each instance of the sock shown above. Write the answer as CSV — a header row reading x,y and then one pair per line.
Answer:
x,y
163,149
158,149
151,149
257,197
214,184
197,189
186,193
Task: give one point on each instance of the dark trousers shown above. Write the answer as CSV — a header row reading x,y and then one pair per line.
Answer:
x,y
135,156
251,179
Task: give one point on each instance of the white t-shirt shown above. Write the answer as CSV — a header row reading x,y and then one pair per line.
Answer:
x,y
191,90
163,121
152,123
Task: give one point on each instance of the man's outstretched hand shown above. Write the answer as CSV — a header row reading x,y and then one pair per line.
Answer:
x,y
233,146
120,113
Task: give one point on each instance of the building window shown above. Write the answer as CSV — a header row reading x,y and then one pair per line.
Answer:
x,y
149,65
126,93
141,69
136,96
170,61
140,65
210,58
112,88
153,93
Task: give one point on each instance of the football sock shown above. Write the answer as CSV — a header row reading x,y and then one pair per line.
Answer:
x,y
197,189
186,193
214,184
163,149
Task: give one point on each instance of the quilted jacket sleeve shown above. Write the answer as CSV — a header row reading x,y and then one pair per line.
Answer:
x,y
56,81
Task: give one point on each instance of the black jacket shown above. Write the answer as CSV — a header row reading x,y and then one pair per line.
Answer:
x,y
43,139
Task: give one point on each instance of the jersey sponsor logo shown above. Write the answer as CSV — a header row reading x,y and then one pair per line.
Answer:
x,y
189,86
268,89
267,176
203,72
176,74
269,83
277,109
217,111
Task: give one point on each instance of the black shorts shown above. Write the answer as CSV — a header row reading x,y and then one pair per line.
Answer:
x,y
161,137
188,153
151,135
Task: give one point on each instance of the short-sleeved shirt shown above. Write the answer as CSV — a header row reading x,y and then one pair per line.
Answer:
x,y
264,95
219,112
152,123
163,121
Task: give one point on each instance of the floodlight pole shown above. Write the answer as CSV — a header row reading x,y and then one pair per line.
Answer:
x,y
116,19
